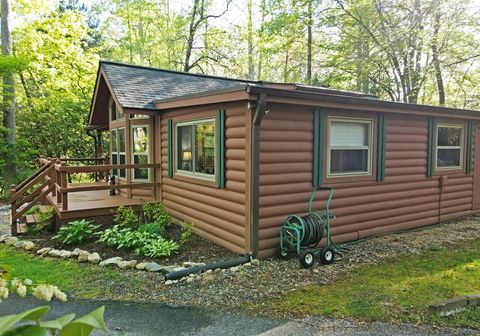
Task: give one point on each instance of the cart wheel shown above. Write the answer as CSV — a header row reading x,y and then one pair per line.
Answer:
x,y
327,255
282,254
307,259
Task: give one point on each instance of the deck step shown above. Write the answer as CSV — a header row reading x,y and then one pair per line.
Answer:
x,y
32,219
21,228
45,208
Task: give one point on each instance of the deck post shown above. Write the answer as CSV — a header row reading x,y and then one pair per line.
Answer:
x,y
13,211
53,176
57,181
64,185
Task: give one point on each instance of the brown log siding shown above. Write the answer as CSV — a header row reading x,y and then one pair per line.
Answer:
x,y
217,214
406,199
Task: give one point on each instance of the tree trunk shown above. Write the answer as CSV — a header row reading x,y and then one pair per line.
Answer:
x,y
309,42
263,7
436,62
251,65
8,106
191,35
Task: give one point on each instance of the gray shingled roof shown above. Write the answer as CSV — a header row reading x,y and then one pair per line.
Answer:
x,y
138,87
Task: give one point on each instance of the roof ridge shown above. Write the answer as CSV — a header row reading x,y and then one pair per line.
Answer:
x,y
178,72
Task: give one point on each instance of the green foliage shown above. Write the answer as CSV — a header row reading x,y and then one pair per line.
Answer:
x,y
65,325
157,247
156,213
76,232
12,64
125,217
187,230
44,224
152,228
143,241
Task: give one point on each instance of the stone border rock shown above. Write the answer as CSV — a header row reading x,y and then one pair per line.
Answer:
x,y
455,303
94,258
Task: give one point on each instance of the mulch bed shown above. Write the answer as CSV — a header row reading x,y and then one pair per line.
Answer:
x,y
197,249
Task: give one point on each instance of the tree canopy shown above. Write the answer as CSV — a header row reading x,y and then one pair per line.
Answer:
x,y
418,51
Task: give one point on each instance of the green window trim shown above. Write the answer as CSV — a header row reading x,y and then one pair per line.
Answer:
x,y
318,147
220,145
382,137
469,159
170,147
432,128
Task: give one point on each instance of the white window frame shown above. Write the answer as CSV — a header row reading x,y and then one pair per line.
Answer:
x,y
112,153
461,147
121,153
209,177
134,153
369,148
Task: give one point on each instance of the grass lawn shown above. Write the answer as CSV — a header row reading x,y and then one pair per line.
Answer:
x,y
82,280
399,290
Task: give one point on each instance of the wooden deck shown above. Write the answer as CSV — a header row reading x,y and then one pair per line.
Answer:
x,y
92,203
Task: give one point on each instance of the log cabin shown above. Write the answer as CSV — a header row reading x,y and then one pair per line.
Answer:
x,y
235,157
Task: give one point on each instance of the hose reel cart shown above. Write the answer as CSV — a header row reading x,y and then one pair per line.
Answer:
x,y
301,234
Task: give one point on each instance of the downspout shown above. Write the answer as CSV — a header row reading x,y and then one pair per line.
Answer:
x,y
260,111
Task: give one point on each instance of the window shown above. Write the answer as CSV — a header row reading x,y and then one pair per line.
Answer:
x,y
449,146
117,141
114,112
121,151
349,147
139,116
114,150
140,151
196,148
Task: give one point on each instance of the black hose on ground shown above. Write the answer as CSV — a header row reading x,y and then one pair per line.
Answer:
x,y
199,269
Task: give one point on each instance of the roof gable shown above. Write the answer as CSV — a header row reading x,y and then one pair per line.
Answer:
x,y
138,87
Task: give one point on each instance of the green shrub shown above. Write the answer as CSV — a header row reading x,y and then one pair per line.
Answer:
x,y
45,223
76,232
126,217
187,229
156,213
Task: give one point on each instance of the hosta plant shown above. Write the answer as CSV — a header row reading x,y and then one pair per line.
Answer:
x,y
76,232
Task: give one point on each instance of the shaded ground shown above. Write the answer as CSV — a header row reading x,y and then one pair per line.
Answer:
x,y
132,319
318,325
4,219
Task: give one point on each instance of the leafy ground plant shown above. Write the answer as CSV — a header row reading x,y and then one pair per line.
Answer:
x,y
45,223
156,213
187,230
125,217
142,242
31,324
76,232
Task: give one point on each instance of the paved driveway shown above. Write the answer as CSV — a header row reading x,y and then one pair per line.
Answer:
x,y
125,318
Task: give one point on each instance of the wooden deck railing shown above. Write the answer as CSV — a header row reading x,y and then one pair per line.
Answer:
x,y
62,187
53,178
